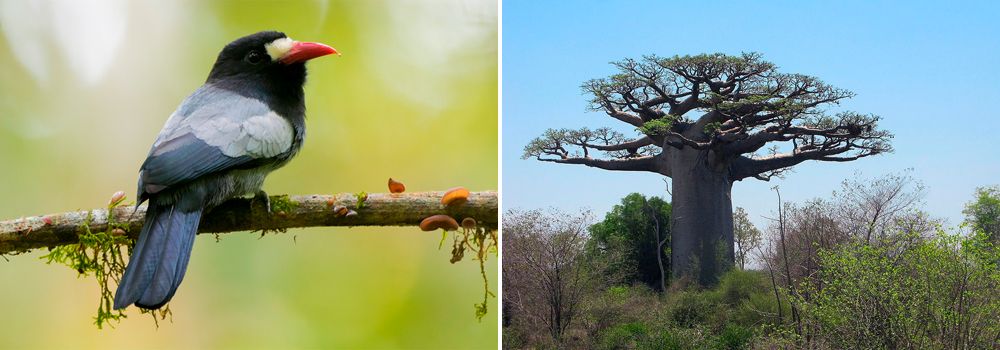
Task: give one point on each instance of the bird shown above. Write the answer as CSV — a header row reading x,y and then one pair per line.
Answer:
x,y
247,120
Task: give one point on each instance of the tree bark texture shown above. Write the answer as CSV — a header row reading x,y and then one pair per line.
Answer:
x,y
245,214
702,216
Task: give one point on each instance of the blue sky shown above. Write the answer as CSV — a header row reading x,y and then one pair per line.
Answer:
x,y
931,70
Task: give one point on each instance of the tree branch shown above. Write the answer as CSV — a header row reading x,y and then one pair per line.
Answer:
x,y
745,167
633,144
632,119
646,163
380,209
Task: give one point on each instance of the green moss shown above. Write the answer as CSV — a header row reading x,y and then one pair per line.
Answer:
x,y
362,197
101,254
282,204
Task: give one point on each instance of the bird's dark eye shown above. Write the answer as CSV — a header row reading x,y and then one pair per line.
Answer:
x,y
254,57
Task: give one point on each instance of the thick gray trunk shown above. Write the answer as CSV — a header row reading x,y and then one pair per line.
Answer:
x,y
702,224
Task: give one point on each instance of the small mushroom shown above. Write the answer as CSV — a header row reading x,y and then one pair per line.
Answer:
x,y
116,198
118,232
469,223
455,196
396,186
439,221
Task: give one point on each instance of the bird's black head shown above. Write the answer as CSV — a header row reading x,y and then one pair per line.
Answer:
x,y
265,62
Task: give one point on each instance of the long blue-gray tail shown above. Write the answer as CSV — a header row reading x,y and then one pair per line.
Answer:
x,y
159,258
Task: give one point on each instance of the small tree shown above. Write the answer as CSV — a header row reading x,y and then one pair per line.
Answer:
x,y
545,270
747,236
871,209
707,121
639,229
983,213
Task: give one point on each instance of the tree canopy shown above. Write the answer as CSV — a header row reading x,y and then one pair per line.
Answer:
x,y
983,212
760,121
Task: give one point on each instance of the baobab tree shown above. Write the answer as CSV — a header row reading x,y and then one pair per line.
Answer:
x,y
707,121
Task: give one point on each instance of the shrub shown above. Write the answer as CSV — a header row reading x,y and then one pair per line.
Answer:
x,y
689,308
640,336
734,337
620,305
737,286
682,339
624,336
915,294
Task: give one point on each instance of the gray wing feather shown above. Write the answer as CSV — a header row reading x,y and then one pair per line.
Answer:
x,y
213,130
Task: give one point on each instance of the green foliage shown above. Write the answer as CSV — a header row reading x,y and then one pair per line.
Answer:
x,y
691,319
630,228
659,126
555,142
734,337
746,236
731,316
361,197
983,213
902,294
282,204
618,293
690,308
624,336
641,336
747,298
712,128
737,286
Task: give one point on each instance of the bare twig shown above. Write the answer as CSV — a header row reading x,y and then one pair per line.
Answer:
x,y
381,209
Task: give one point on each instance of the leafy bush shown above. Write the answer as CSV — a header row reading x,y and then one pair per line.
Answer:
x,y
737,286
690,308
642,337
734,337
625,336
682,339
620,305
913,294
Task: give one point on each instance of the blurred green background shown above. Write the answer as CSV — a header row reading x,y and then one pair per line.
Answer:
x,y
86,85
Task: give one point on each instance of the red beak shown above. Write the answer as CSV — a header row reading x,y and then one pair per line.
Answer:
x,y
304,51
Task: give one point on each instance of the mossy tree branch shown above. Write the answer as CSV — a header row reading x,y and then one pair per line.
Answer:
x,y
381,209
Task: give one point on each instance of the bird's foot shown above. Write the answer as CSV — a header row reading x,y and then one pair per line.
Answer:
x,y
262,196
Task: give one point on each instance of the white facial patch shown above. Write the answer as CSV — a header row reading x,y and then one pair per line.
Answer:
x,y
278,48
